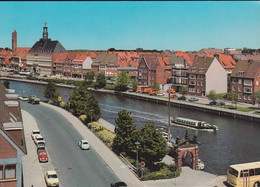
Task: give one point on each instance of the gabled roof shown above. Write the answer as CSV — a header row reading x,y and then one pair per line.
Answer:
x,y
105,58
164,61
47,46
226,61
201,65
174,59
246,69
211,50
21,52
151,61
59,57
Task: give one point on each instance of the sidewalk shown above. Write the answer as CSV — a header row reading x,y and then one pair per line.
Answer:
x,y
188,176
32,172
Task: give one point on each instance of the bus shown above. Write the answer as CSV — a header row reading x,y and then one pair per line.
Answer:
x,y
244,175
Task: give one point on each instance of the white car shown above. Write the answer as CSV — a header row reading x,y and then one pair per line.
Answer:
x,y
51,178
83,144
40,144
38,138
34,133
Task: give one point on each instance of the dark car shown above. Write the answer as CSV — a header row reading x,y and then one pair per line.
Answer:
x,y
216,103
118,184
182,98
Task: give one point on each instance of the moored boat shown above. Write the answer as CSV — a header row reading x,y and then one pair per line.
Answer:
x,y
201,125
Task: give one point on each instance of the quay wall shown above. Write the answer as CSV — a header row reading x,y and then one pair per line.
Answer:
x,y
190,105
162,100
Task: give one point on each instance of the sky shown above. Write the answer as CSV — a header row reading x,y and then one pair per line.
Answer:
x,y
172,25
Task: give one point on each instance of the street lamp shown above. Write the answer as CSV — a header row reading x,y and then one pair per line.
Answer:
x,y
91,115
137,143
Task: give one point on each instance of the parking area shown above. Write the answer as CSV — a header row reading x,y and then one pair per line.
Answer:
x,y
33,170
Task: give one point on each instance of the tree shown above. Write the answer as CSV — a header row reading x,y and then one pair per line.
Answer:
x,y
82,102
134,84
122,82
213,96
183,91
100,80
139,49
153,147
155,86
6,84
257,97
90,75
124,130
111,49
50,91
233,97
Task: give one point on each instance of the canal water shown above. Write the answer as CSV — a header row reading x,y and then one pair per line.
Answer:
x,y
236,141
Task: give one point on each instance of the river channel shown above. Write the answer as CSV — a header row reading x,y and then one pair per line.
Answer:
x,y
236,141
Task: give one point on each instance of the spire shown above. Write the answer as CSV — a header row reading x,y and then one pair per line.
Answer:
x,y
45,31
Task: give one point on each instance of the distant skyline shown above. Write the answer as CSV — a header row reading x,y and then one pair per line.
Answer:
x,y
173,25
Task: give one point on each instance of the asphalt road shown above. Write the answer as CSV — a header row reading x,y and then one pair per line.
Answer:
x,y
75,167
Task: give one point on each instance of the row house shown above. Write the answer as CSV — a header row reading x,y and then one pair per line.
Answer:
x,y
245,80
107,64
150,70
58,61
5,55
179,71
18,59
206,74
12,139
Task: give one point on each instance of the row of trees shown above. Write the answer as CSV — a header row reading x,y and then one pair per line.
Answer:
x,y
152,148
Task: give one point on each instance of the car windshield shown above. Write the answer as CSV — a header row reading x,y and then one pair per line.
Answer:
x,y
85,142
52,176
36,133
43,153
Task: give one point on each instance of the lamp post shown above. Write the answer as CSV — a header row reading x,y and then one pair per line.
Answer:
x,y
137,143
91,115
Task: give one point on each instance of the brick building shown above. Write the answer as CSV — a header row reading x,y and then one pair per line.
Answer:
x,y
245,80
12,139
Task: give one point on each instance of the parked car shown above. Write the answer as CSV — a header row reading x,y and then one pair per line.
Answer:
x,y
217,103
174,96
42,156
41,144
34,100
160,94
51,178
40,148
182,98
83,144
34,133
38,138
118,184
193,99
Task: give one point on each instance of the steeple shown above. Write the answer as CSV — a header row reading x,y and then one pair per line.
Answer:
x,y
45,31
14,41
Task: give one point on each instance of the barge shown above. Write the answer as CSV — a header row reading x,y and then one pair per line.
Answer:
x,y
196,124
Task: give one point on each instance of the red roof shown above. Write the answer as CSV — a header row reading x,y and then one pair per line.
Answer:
x,y
227,61
59,57
186,56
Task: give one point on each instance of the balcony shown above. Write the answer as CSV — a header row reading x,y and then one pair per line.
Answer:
x,y
247,90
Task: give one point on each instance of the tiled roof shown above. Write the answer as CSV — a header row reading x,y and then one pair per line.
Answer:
x,y
201,65
164,61
226,61
59,57
47,46
105,58
151,60
211,50
246,69
174,59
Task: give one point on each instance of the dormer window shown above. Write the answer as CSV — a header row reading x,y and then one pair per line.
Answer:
x,y
193,69
201,69
240,73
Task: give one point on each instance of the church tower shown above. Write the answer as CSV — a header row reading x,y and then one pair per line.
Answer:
x,y
45,31
14,41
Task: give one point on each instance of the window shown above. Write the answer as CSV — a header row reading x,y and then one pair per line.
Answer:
x,y
198,83
245,97
10,171
1,172
233,88
256,83
239,89
251,172
239,81
192,90
192,76
248,82
257,171
234,80
258,74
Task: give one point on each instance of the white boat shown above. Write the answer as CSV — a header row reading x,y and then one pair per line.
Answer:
x,y
201,125
201,165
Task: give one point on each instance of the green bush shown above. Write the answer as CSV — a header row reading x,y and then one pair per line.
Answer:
x,y
110,86
106,136
95,126
63,104
83,117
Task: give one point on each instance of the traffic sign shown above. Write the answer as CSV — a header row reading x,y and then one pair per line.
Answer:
x,y
142,164
59,98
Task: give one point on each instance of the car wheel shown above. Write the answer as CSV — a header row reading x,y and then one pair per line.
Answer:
x,y
257,184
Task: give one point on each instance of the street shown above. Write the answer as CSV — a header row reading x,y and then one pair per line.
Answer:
x,y
75,167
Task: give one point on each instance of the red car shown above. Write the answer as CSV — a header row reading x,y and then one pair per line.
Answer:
x,y
174,96
42,156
